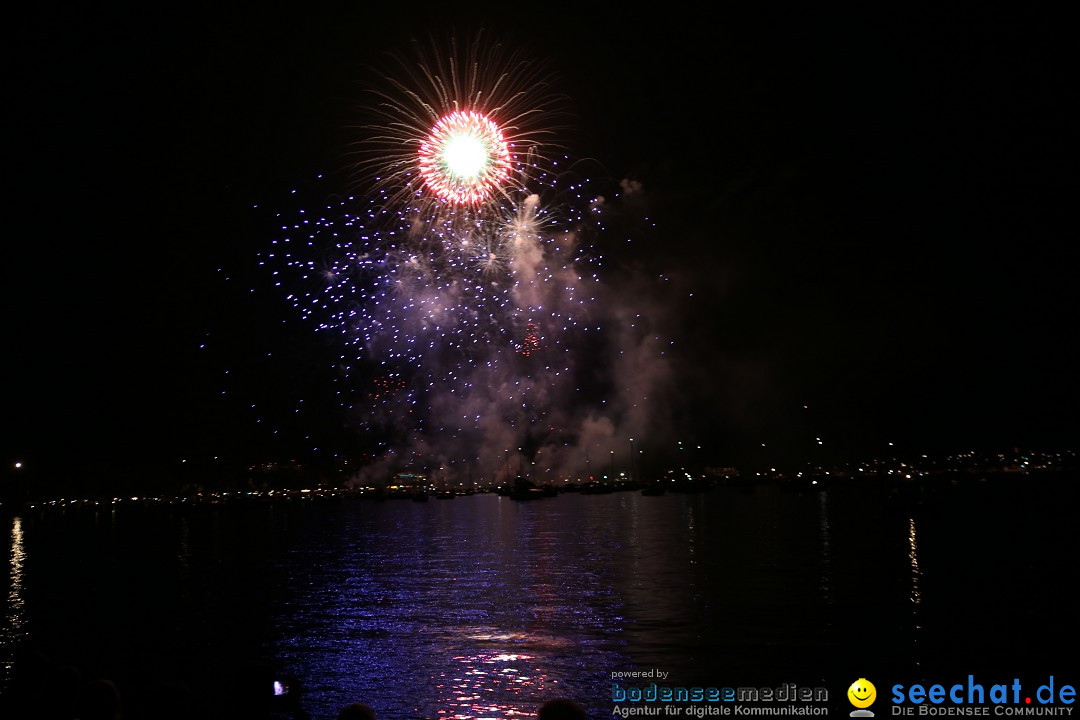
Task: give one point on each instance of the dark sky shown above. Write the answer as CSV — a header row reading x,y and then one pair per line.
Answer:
x,y
874,209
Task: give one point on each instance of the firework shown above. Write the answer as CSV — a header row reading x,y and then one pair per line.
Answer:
x,y
436,297
465,159
461,291
458,130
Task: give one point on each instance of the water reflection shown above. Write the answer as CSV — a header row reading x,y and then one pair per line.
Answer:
x,y
15,617
913,558
16,614
692,535
184,556
825,532
484,607
477,609
916,593
478,690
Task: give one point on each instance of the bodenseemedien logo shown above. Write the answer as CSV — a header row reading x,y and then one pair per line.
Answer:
x,y
862,694
677,701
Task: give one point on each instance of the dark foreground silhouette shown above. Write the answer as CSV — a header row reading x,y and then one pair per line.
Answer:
x,y
42,689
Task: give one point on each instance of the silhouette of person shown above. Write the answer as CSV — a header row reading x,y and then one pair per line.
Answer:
x,y
64,687
29,689
356,711
99,700
561,709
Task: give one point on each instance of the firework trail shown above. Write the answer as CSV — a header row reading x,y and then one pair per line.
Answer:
x,y
463,292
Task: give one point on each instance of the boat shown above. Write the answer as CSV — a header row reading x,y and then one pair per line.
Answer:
x,y
525,489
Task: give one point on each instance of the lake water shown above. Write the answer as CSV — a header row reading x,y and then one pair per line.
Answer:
x,y
482,607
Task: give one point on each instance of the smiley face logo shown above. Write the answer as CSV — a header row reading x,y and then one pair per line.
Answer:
x,y
862,693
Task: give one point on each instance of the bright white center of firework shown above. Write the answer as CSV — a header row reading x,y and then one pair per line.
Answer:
x,y
465,156
465,159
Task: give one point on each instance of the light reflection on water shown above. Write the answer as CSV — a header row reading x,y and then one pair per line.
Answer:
x,y
916,591
15,617
500,605
482,607
470,693
913,557
16,605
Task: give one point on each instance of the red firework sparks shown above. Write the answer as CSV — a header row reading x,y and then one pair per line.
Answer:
x,y
531,343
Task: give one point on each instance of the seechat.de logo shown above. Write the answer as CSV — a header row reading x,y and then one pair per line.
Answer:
x,y
976,698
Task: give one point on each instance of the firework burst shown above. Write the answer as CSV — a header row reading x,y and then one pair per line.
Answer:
x,y
461,291
443,307
465,159
458,130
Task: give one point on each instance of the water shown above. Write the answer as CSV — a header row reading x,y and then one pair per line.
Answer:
x,y
483,607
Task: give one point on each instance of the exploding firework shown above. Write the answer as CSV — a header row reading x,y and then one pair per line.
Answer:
x,y
462,291
451,332
465,159
458,130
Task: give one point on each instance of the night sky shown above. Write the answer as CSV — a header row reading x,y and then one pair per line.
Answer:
x,y
868,213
